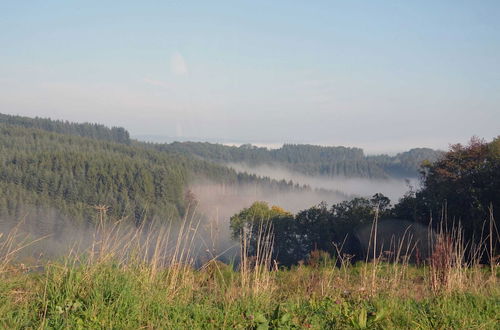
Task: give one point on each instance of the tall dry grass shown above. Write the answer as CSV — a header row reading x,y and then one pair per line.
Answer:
x,y
256,269
12,243
456,264
164,256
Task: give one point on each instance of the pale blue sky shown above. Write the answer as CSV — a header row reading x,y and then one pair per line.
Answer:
x,y
384,75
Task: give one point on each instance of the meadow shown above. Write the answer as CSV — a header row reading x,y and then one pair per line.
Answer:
x,y
126,280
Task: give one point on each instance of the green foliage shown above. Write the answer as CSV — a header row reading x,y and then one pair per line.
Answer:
x,y
96,131
253,217
406,164
460,186
259,218
311,159
316,228
75,173
88,165
108,296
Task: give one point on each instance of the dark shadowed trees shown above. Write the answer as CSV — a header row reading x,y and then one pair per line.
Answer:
x,y
463,186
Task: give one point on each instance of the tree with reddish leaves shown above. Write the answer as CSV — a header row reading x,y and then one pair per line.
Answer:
x,y
462,186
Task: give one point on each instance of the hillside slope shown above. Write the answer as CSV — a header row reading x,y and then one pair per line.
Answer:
x,y
312,159
42,169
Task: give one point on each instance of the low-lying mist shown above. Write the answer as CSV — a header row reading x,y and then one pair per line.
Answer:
x,y
44,234
222,200
207,222
363,187
57,235
216,203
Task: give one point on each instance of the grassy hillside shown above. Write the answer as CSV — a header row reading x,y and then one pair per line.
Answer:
x,y
126,282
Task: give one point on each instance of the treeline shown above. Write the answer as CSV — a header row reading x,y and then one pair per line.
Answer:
x,y
319,228
460,191
44,170
73,174
406,164
90,130
463,187
312,159
306,159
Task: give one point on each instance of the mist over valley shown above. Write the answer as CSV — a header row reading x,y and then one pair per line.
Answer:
x,y
394,188
249,165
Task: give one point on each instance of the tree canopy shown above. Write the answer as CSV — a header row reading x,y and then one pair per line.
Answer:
x,y
312,159
462,187
55,165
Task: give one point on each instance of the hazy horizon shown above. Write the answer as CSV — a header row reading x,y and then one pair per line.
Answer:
x,y
368,149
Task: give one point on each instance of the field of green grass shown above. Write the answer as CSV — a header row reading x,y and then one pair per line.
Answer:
x,y
114,285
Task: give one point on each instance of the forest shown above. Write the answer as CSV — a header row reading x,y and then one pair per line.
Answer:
x,y
459,192
253,165
313,160
72,168
119,246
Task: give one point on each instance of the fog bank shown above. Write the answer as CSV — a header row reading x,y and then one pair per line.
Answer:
x,y
363,187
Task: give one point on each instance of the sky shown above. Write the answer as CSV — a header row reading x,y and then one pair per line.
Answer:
x,y
382,75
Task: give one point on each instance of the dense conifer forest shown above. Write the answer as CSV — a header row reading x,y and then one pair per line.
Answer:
x,y
313,159
60,175
48,166
96,131
74,167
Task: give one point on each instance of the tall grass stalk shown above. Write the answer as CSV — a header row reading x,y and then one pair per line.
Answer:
x,y
256,269
12,243
128,269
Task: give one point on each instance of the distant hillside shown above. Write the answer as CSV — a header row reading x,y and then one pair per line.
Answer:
x,y
405,164
307,159
69,173
95,131
69,168
312,159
